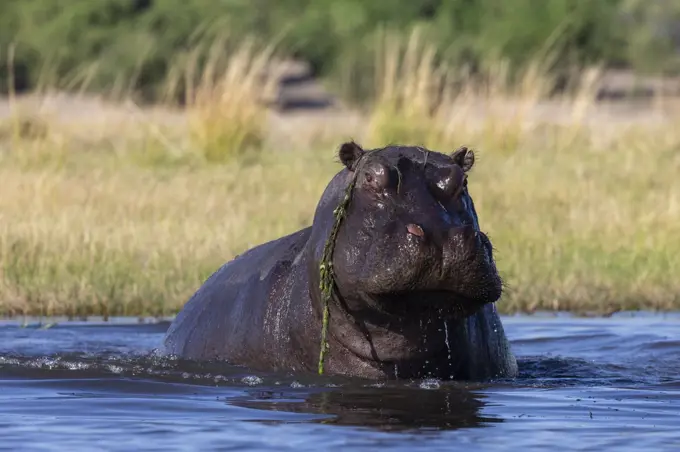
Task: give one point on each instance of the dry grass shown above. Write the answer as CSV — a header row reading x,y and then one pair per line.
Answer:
x,y
421,100
222,86
130,218
586,228
584,215
130,240
224,102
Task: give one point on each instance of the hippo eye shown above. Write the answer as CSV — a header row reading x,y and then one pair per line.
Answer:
x,y
377,176
450,182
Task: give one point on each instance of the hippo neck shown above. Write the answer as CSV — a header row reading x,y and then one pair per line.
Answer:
x,y
342,326
359,344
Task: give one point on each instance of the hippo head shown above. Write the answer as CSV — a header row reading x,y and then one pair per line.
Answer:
x,y
409,247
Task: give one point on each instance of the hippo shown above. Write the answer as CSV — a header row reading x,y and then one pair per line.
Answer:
x,y
415,282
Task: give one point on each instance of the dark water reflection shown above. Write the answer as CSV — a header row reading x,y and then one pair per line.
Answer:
x,y
388,409
585,384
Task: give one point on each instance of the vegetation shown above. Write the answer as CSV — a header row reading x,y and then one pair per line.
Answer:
x,y
129,216
130,46
126,208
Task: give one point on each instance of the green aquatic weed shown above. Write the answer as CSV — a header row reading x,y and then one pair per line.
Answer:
x,y
327,276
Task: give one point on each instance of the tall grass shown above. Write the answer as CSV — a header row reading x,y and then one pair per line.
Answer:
x,y
213,110
225,97
421,99
133,240
583,214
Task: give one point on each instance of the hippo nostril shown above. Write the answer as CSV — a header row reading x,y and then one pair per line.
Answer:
x,y
415,230
467,235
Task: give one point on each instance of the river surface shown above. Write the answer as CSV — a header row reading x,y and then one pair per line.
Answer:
x,y
584,384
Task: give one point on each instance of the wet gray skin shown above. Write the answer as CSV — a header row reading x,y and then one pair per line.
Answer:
x,y
416,282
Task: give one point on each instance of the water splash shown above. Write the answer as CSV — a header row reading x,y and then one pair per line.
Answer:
x,y
430,383
252,380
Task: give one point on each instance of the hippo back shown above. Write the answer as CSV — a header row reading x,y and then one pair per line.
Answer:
x,y
224,319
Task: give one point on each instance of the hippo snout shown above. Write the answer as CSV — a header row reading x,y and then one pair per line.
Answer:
x,y
463,242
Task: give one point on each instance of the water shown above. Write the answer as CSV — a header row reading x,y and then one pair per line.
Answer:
x,y
585,384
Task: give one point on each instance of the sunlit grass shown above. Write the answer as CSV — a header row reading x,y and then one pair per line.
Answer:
x,y
213,112
136,240
586,228
227,117
421,100
127,215
582,229
584,216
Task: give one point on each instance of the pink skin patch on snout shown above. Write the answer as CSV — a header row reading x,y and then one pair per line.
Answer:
x,y
415,230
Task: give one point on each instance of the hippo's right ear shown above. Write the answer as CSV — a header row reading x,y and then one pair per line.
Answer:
x,y
464,157
350,153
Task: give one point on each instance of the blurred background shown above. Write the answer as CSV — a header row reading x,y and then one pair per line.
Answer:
x,y
143,143
135,43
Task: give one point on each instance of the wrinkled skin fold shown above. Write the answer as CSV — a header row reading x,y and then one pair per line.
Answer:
x,y
416,282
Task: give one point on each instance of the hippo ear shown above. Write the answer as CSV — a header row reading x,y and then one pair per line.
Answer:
x,y
350,153
464,158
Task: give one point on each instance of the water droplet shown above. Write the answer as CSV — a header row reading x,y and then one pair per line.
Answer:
x,y
446,339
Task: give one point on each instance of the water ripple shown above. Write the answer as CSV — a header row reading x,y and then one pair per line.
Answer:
x,y
592,384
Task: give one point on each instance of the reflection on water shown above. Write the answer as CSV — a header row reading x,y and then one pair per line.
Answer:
x,y
593,384
387,409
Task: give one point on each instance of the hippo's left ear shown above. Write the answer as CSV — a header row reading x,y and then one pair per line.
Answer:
x,y
464,158
350,153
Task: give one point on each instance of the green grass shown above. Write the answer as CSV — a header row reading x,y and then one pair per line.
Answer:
x,y
128,240
583,216
582,230
129,216
130,46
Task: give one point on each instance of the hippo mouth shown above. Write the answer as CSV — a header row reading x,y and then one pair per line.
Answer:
x,y
437,298
428,303
402,320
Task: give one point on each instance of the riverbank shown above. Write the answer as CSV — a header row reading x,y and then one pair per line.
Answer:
x,y
94,231
115,209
